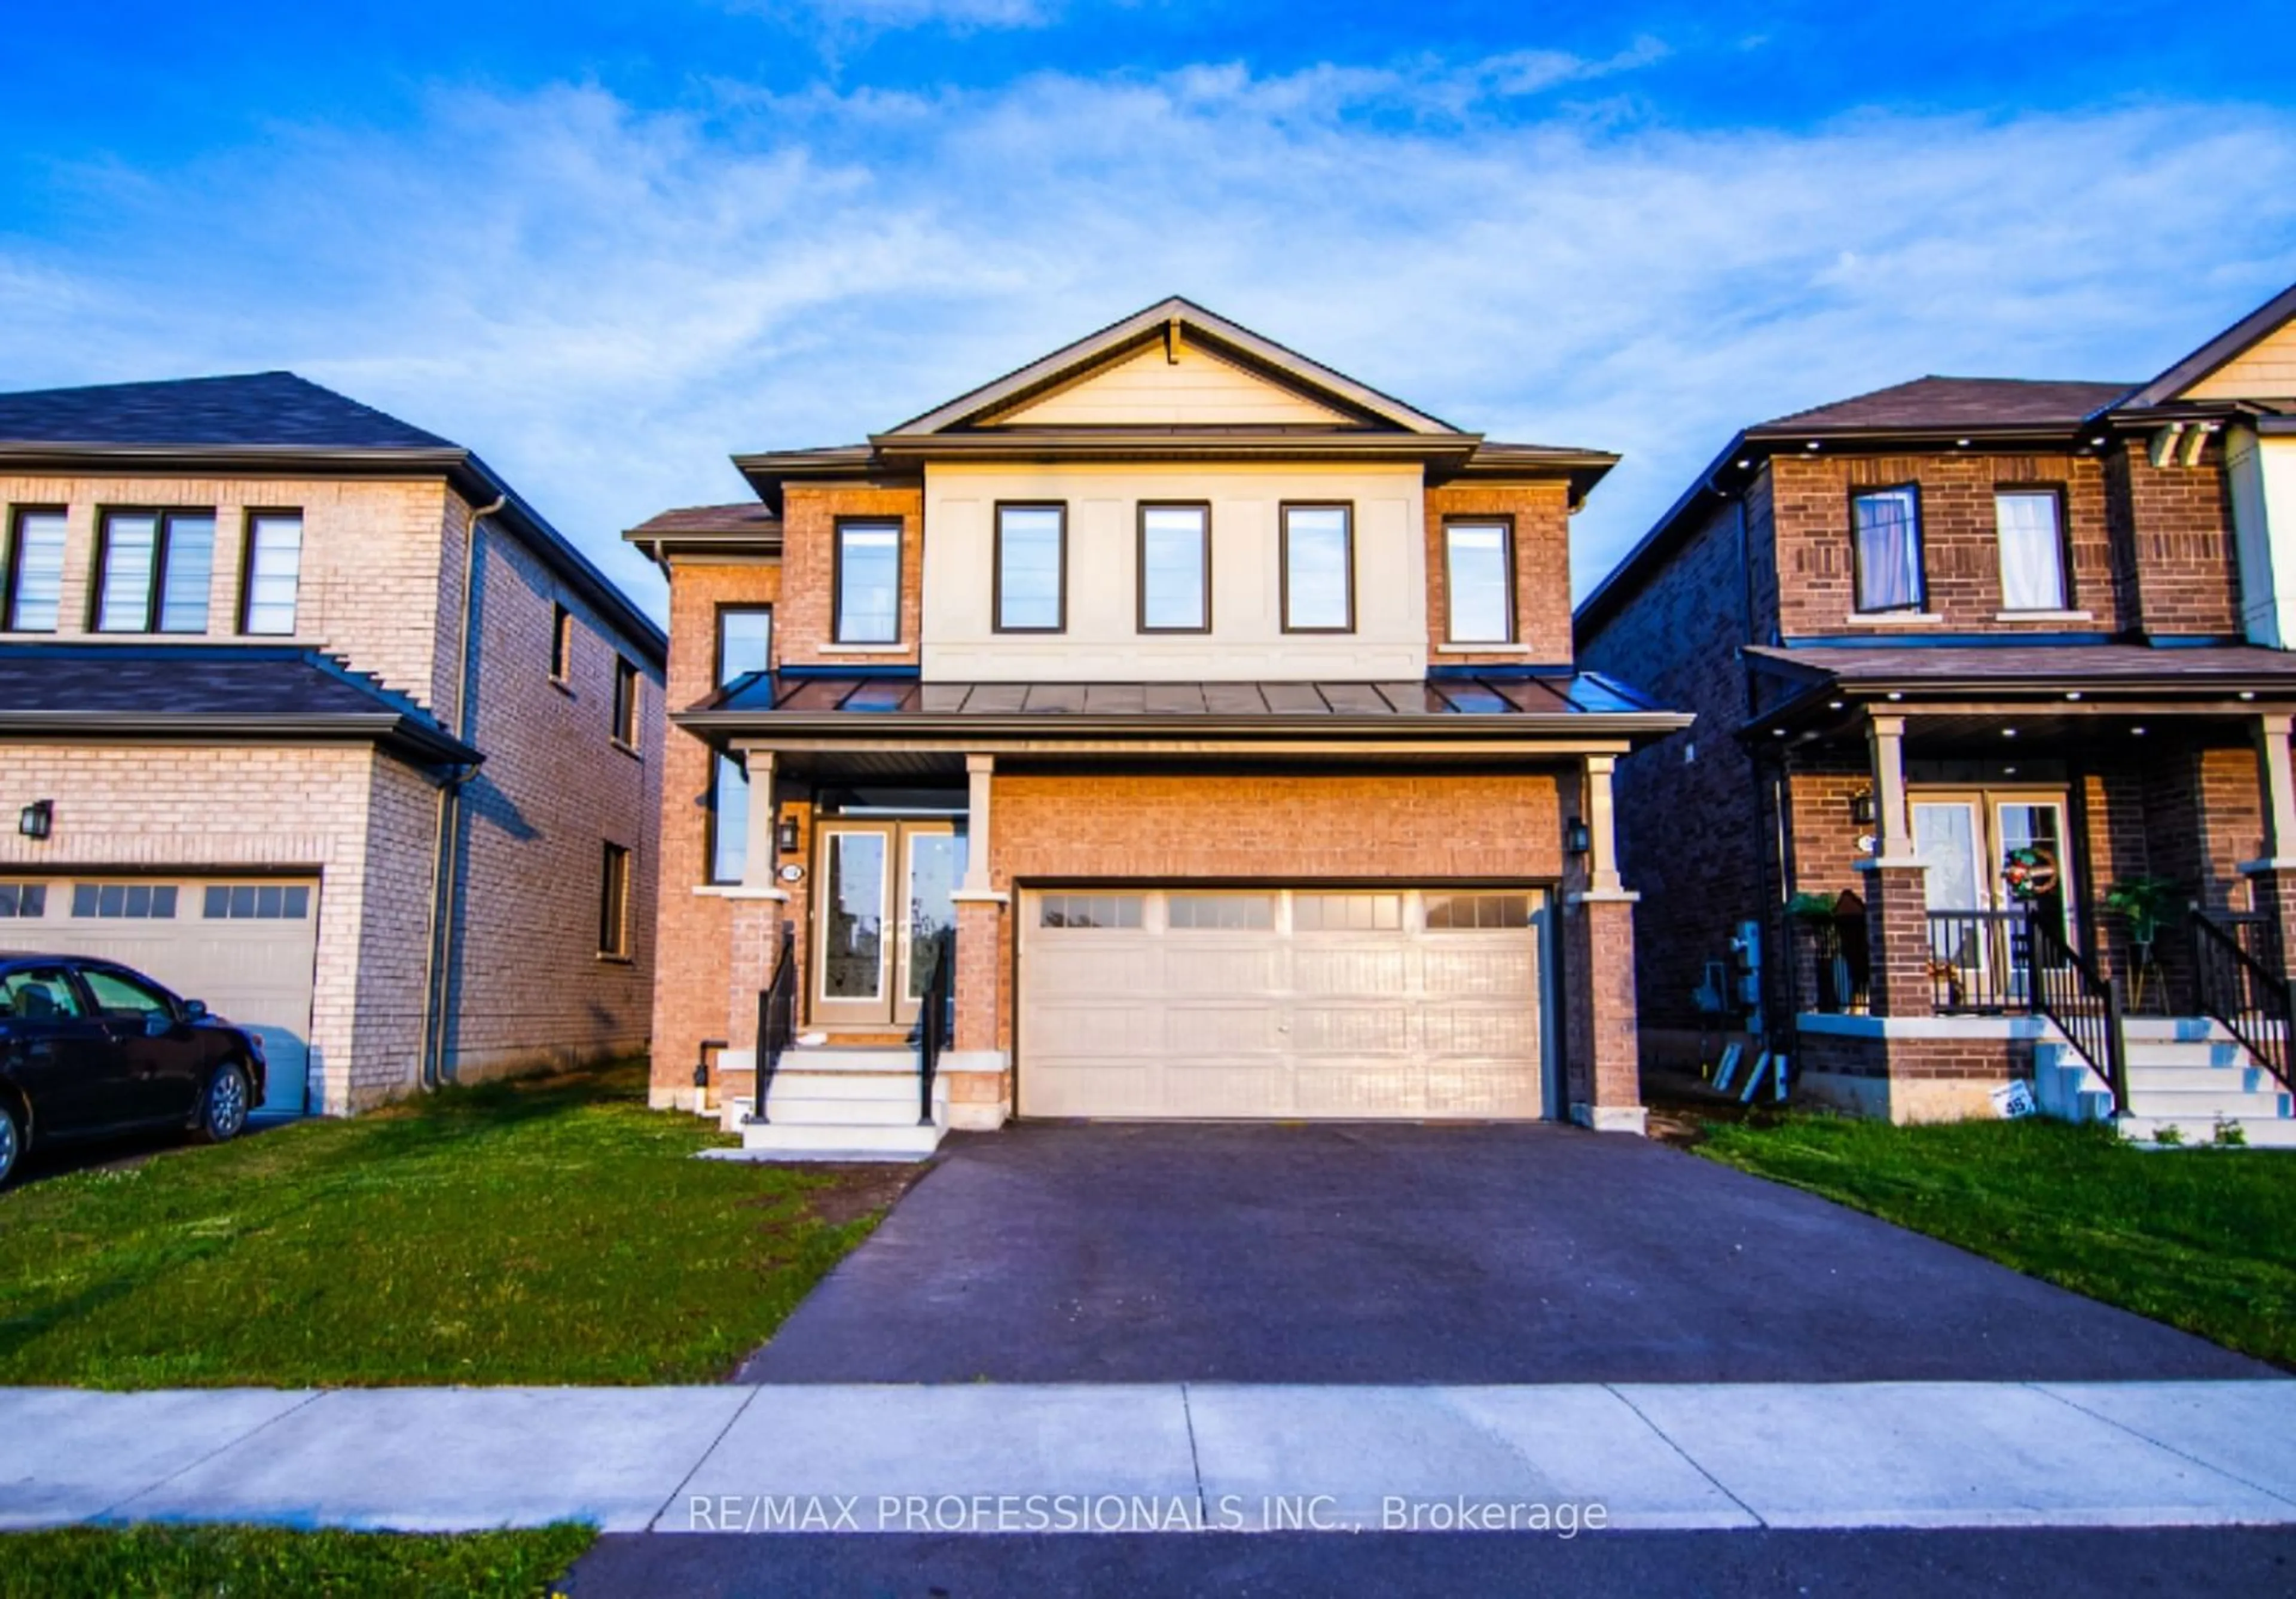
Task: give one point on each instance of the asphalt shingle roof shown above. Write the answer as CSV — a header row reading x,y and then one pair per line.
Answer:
x,y
251,409
1935,402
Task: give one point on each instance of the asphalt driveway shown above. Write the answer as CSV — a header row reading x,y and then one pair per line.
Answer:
x,y
1112,1253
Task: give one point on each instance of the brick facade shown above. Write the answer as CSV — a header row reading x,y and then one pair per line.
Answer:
x,y
2172,532
1540,514
382,587
804,630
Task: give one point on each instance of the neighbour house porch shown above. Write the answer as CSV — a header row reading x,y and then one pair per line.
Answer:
x,y
2063,863
959,903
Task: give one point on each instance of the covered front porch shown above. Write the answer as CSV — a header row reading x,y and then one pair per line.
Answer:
x,y
2002,862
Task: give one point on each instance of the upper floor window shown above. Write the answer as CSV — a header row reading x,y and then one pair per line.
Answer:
x,y
745,641
1887,526
626,703
1319,570
153,572
1032,569
562,644
274,571
2029,522
1175,563
1478,582
868,600
33,583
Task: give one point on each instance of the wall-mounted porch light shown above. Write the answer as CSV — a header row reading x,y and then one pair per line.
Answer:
x,y
36,819
1861,809
785,835
1577,838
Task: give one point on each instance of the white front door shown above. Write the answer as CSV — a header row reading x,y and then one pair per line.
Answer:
x,y
883,916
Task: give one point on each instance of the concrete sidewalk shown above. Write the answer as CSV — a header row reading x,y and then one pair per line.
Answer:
x,y
1162,1457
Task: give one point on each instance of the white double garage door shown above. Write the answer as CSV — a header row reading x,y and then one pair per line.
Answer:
x,y
248,948
1407,1002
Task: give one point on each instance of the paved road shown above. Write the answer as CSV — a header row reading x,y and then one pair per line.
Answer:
x,y
1714,1565
1109,1253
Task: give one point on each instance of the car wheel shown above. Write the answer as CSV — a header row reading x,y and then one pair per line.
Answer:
x,y
12,1143
223,1116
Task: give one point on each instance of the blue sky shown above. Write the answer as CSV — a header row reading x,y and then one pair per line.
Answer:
x,y
606,243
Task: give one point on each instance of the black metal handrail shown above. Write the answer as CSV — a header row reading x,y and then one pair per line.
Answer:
x,y
777,1021
2061,985
2238,990
1978,961
935,1022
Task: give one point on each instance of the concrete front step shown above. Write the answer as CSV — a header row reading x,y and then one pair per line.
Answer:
x,y
2242,1079
2257,1132
847,1057
841,1141
2206,1103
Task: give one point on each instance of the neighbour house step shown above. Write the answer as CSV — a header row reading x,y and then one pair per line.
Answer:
x,y
2255,1132
2173,1104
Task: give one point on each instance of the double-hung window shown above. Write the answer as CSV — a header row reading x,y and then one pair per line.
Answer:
x,y
1478,582
1032,569
1175,565
274,571
1319,573
562,645
626,703
33,581
614,903
2029,524
744,645
152,573
1886,524
868,601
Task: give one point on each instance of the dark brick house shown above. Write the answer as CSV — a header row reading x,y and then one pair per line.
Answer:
x,y
1966,655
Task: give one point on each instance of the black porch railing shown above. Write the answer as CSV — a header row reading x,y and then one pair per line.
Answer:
x,y
2061,985
936,1021
2250,997
1978,961
776,1022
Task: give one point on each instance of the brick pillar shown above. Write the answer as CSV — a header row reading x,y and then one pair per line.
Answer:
x,y
757,946
1604,1069
979,1072
980,966
1898,934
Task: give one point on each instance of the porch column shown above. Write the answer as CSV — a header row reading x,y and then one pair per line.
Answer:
x,y
2272,879
1603,1068
1897,900
759,906
979,1087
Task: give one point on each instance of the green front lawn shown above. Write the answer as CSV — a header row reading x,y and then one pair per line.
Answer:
x,y
543,1231
253,1562
2204,1239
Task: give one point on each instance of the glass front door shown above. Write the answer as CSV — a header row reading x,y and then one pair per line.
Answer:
x,y
1977,919
883,915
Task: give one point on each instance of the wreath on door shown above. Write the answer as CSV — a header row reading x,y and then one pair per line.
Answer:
x,y
2029,874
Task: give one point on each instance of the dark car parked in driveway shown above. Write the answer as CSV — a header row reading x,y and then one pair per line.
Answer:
x,y
90,1048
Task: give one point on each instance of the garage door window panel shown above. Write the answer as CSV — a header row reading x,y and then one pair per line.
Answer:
x,y
24,900
264,902
1221,913
128,901
1088,911
1347,912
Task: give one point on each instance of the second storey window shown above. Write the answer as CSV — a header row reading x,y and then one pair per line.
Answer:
x,y
1176,560
869,583
1478,582
626,703
1319,570
745,641
1887,525
274,571
152,572
2032,549
1032,569
34,580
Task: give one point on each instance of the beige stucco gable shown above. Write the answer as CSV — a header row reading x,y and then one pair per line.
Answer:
x,y
2265,370
1183,386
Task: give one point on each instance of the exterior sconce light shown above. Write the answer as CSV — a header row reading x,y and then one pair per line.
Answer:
x,y
1576,838
785,835
1861,809
35,819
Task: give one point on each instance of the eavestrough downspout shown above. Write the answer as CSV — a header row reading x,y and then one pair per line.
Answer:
x,y
432,1057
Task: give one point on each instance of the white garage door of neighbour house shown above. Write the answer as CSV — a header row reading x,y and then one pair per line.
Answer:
x,y
247,946
1229,1003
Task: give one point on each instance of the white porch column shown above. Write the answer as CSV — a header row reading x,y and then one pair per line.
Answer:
x,y
762,861
2272,731
1602,827
1886,736
979,769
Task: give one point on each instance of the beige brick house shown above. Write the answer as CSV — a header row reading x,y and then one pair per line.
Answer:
x,y
305,712
1978,664
1204,719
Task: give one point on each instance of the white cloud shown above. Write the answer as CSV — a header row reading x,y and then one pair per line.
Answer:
x,y
874,16
606,303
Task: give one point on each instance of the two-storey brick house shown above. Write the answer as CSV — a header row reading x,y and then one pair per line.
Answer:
x,y
307,714
1210,716
1967,656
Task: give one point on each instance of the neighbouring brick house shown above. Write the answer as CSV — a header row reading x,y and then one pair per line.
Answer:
x,y
1972,652
267,703
1210,716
